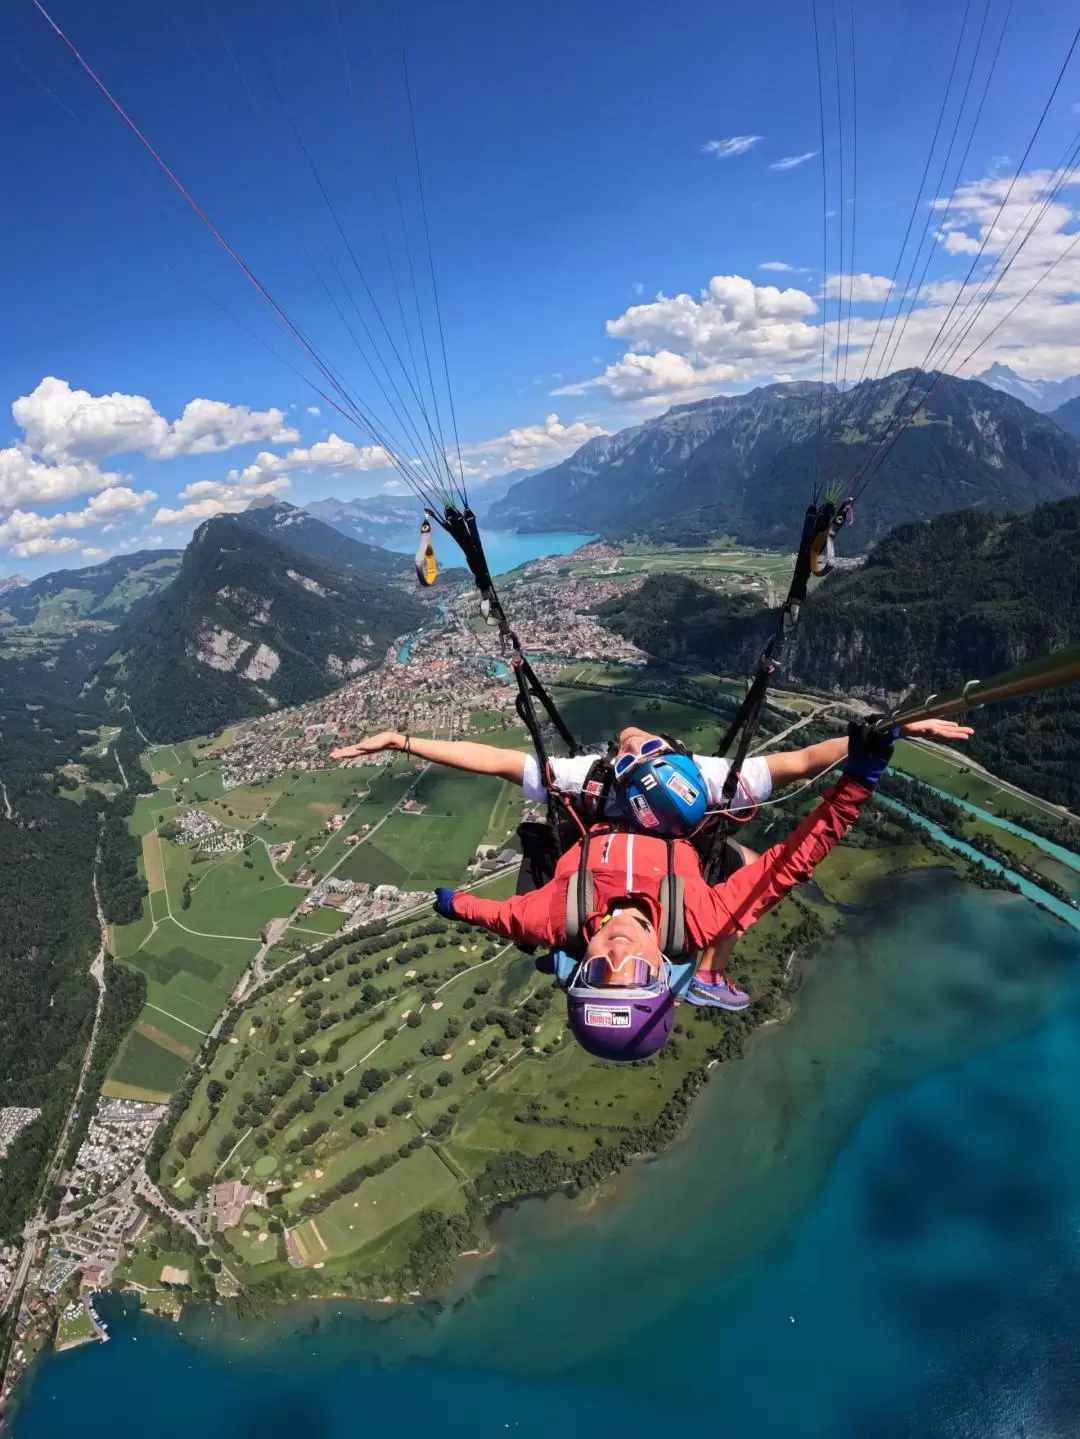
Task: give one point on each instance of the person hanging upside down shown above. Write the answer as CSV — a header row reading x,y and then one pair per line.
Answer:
x,y
759,777
623,895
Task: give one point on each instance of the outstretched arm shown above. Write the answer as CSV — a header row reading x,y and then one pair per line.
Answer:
x,y
804,764
753,890
524,918
457,753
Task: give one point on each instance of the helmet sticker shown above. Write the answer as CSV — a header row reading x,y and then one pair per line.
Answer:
x,y
648,780
642,811
681,786
593,788
601,1017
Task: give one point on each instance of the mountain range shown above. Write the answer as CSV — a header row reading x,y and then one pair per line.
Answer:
x,y
98,596
1043,395
935,604
745,465
249,624
394,520
302,530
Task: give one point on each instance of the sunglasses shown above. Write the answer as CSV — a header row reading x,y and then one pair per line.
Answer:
x,y
632,972
648,748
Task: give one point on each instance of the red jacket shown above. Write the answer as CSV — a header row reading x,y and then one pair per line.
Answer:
x,y
628,862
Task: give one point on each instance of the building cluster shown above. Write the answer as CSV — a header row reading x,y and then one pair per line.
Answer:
x,y
453,666
487,861
117,1139
198,827
12,1122
227,1203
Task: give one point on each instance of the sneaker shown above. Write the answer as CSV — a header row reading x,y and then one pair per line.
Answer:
x,y
721,994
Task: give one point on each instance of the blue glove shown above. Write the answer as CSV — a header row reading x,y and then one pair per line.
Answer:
x,y
869,752
444,903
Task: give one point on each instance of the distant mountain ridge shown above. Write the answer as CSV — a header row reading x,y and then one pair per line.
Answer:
x,y
247,625
1068,416
1042,395
745,465
103,591
305,532
394,520
935,604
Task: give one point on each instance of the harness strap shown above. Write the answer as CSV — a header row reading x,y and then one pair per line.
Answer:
x,y
817,528
461,525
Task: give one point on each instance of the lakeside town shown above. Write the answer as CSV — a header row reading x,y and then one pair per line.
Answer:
x,y
431,681
449,678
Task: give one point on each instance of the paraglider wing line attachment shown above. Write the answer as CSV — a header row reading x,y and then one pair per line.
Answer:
x,y
818,524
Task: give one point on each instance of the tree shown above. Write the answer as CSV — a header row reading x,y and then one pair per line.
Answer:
x,y
381,1121
215,1091
308,1057
443,1078
414,1020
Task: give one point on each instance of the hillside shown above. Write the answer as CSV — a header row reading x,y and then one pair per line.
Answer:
x,y
246,626
1068,416
935,604
302,531
105,593
745,465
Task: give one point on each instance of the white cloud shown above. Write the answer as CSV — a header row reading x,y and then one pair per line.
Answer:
x,y
314,410
733,145
732,331
93,552
32,549
858,287
527,447
774,265
22,527
789,162
66,425
333,453
208,426
27,480
637,288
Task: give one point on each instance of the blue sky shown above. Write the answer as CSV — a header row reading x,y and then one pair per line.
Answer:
x,y
605,187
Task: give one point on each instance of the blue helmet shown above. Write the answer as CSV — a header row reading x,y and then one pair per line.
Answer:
x,y
665,795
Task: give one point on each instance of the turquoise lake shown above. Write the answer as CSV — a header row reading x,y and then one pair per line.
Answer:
x,y
871,1228
506,550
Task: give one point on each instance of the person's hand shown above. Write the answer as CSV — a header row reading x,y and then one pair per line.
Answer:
x,y
388,739
869,752
937,729
444,903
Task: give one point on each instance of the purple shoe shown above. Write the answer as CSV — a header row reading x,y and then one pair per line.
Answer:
x,y
720,995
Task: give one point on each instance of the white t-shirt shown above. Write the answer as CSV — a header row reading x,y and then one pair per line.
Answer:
x,y
755,781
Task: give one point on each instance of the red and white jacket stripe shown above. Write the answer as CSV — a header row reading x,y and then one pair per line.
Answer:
x,y
628,862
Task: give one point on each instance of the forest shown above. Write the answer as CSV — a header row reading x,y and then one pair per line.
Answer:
x,y
933,605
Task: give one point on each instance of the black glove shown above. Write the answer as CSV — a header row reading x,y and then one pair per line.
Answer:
x,y
869,751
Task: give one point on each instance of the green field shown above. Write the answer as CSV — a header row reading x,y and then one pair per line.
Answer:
x,y
417,851
381,1204
955,778
77,1328
145,1065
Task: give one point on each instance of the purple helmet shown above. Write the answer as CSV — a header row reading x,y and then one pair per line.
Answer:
x,y
620,1023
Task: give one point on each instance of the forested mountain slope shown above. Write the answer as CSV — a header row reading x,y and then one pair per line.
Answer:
x,y
246,626
104,593
745,465
300,530
935,604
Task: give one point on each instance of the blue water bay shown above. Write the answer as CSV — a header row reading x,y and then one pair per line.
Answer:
x,y
871,1227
